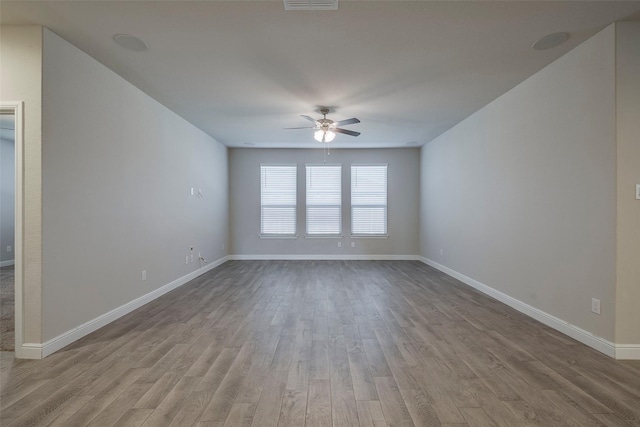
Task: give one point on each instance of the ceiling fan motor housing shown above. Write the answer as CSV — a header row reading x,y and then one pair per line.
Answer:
x,y
326,124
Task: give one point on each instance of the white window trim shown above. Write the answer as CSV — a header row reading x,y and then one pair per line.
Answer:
x,y
368,236
280,236
323,236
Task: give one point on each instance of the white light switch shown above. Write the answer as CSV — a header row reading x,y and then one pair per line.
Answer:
x,y
637,191
595,305
144,274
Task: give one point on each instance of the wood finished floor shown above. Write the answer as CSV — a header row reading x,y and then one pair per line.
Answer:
x,y
322,343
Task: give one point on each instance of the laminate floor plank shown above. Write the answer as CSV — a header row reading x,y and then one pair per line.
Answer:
x,y
611,420
363,385
319,365
318,412
164,413
477,417
393,405
241,415
294,406
115,410
420,406
96,405
252,386
370,414
205,389
134,417
60,416
224,397
322,343
267,412
344,410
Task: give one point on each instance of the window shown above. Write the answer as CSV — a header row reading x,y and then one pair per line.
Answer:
x,y
369,200
324,200
278,200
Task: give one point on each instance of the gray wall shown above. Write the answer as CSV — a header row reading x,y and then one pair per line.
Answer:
x,y
521,196
403,178
628,167
21,80
7,188
117,169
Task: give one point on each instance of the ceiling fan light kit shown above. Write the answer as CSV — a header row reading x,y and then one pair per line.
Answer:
x,y
324,136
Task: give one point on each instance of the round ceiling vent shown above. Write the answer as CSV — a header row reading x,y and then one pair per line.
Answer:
x,y
550,41
130,42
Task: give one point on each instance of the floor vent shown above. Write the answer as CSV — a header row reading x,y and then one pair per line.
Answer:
x,y
310,4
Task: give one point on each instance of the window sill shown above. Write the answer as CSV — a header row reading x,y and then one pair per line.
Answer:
x,y
275,236
321,236
369,236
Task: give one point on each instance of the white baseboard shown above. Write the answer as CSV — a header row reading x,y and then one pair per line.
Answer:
x,y
6,263
585,337
328,257
75,334
619,351
29,351
628,351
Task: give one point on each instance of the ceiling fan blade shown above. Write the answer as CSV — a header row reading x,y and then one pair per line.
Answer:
x,y
309,118
304,127
347,122
346,132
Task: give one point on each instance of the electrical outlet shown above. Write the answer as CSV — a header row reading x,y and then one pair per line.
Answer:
x,y
353,244
595,305
9,249
192,191
339,244
144,275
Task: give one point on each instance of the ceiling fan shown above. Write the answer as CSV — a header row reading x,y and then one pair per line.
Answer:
x,y
326,129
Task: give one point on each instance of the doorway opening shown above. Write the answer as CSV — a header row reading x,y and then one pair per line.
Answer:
x,y
11,227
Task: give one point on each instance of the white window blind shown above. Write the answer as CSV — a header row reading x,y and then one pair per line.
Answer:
x,y
324,200
369,200
278,200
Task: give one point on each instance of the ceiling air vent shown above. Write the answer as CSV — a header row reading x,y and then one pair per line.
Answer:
x,y
310,4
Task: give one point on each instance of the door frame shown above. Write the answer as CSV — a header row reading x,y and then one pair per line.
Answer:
x,y
17,108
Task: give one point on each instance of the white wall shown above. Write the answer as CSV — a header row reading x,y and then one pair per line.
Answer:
x,y
7,189
117,169
21,80
628,208
521,196
402,176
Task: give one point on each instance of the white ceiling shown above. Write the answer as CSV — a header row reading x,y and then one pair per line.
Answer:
x,y
244,70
